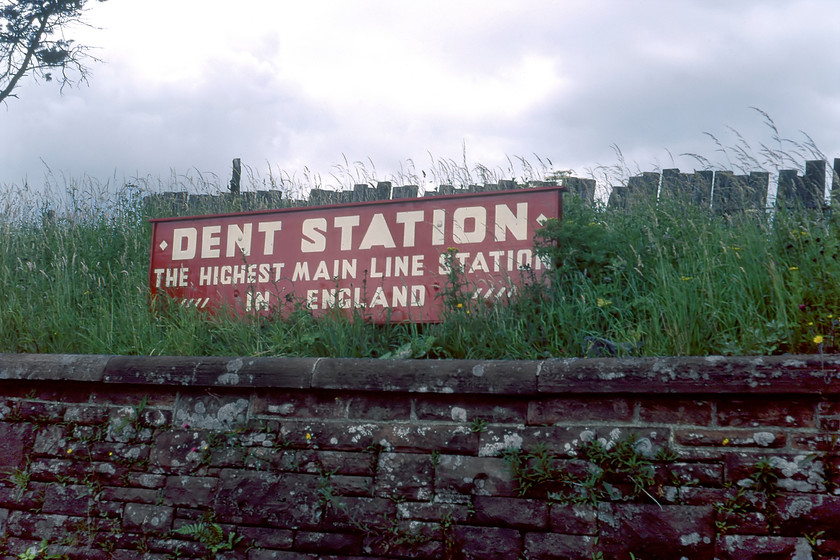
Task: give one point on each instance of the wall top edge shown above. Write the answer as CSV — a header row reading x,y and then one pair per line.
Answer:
x,y
796,374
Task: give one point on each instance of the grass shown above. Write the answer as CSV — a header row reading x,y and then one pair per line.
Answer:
x,y
659,280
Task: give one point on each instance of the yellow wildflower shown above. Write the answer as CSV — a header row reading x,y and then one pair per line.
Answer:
x,y
818,339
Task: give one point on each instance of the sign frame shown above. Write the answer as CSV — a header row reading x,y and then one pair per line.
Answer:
x,y
388,259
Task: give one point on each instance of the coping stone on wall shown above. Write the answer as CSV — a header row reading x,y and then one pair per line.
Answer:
x,y
694,374
811,374
46,367
289,373
429,376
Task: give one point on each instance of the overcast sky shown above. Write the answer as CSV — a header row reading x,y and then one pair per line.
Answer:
x,y
297,88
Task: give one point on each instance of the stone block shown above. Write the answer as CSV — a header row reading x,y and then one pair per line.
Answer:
x,y
434,511
338,462
15,442
824,442
349,512
553,546
285,500
404,475
334,543
27,525
580,409
418,438
344,485
147,518
259,554
487,543
517,513
435,376
405,539
756,412
124,454
87,415
690,474
71,499
574,519
191,491
466,408
653,531
179,450
566,441
479,476
675,411
300,404
49,440
40,412
795,473
808,514
767,438
750,547
127,494
379,408
211,412
340,436
356,435
262,458
264,537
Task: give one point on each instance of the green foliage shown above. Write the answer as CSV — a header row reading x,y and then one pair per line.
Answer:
x,y
757,495
33,42
211,535
657,280
613,471
40,553
19,478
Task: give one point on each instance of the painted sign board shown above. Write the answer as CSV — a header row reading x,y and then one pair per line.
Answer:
x,y
388,259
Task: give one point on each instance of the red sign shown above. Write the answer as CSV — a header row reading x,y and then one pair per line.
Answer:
x,y
389,259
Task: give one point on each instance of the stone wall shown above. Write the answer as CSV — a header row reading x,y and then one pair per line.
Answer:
x,y
292,459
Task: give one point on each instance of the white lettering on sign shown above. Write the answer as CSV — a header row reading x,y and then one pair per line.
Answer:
x,y
345,298
187,242
172,277
386,257
269,229
475,216
507,221
491,261
469,225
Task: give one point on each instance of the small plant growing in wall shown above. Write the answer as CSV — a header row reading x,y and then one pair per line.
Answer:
x,y
40,553
211,535
763,483
616,473
19,478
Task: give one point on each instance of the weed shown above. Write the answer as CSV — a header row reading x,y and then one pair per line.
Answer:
x,y
815,541
211,535
757,496
616,473
478,425
40,553
19,478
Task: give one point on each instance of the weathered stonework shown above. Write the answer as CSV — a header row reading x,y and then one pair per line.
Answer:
x,y
299,459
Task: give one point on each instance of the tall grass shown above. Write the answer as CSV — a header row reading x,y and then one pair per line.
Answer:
x,y
659,280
